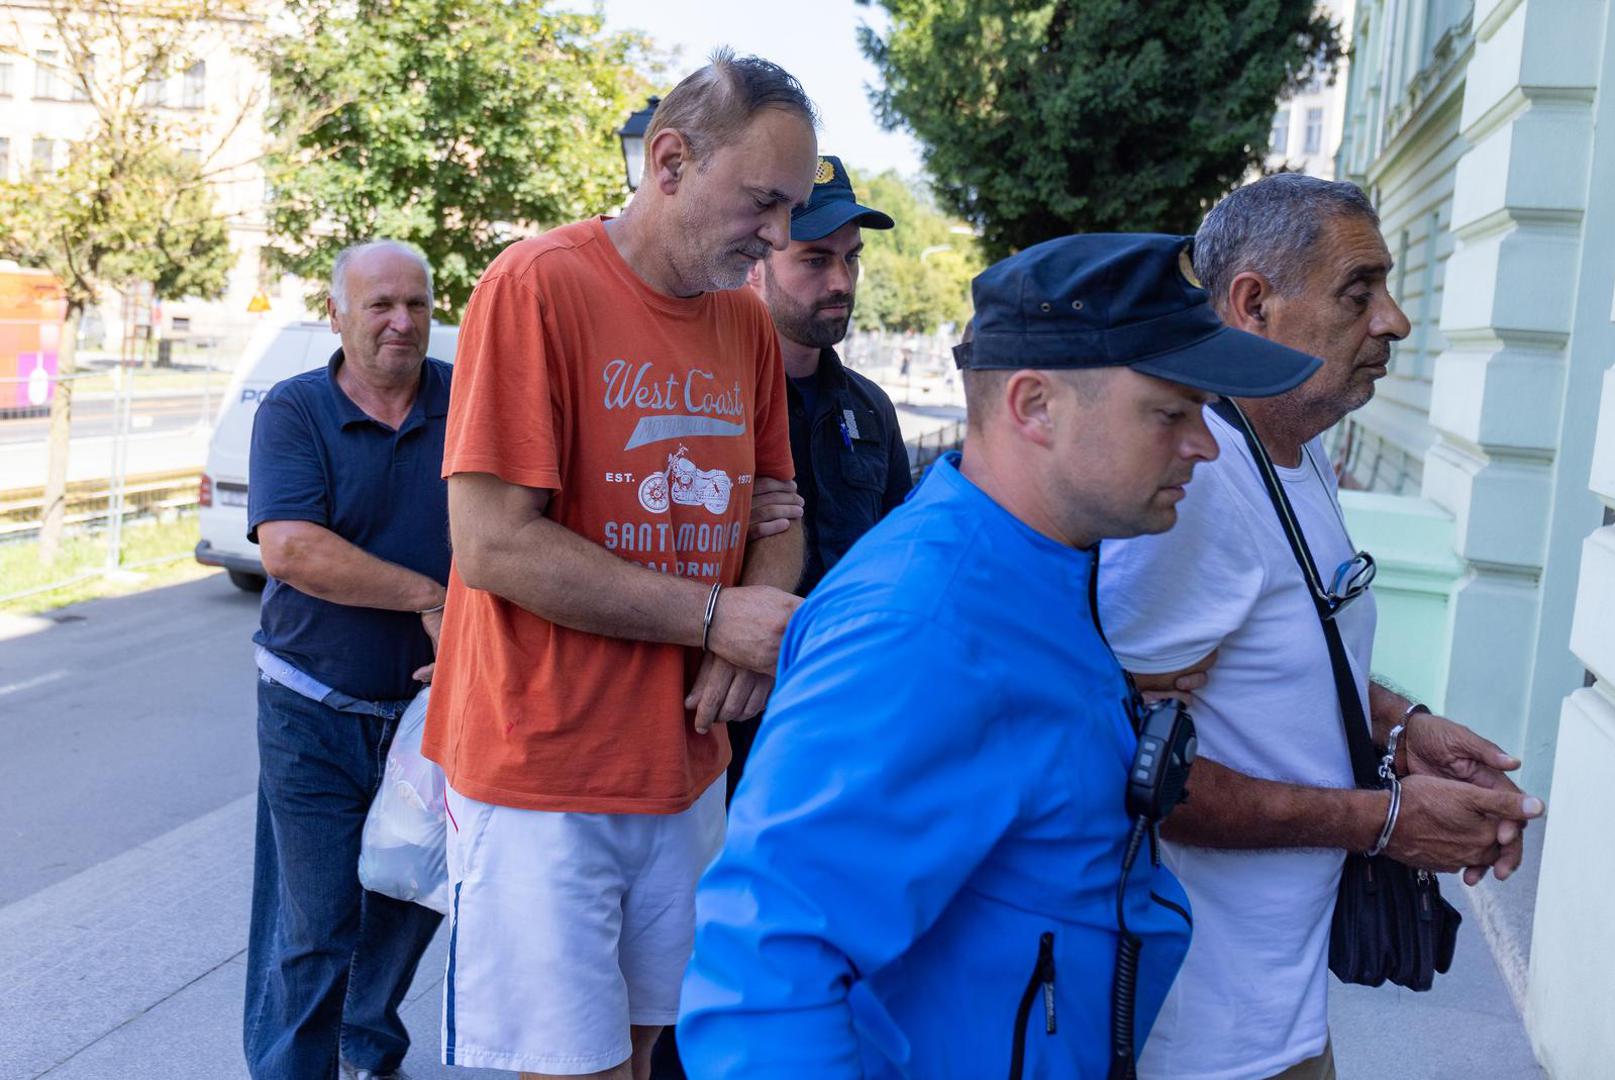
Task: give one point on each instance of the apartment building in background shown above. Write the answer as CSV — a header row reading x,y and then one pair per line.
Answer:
x,y
215,105
1308,123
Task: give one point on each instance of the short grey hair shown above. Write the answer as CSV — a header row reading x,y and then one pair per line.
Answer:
x,y
1272,227
345,257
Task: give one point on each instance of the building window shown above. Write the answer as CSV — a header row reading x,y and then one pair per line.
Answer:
x,y
5,160
154,92
1314,135
81,86
45,81
5,78
1278,141
194,92
44,156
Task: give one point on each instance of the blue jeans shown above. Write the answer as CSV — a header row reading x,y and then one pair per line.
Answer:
x,y
328,962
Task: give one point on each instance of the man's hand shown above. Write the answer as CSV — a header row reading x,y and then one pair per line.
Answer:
x,y
1448,825
774,505
1436,746
1177,684
724,693
432,621
748,625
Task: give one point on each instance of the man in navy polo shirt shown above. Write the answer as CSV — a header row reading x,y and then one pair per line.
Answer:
x,y
351,513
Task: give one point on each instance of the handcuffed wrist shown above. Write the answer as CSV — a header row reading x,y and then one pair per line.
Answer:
x,y
1391,814
1401,759
707,616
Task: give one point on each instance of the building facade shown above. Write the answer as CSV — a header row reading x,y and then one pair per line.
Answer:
x,y
212,106
1483,131
1307,125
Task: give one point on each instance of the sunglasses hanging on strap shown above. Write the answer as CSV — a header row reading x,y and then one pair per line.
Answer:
x,y
1390,920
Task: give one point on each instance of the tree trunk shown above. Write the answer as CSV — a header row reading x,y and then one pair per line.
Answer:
x,y
61,413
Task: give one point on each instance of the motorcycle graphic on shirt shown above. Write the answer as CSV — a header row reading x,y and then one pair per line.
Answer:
x,y
684,483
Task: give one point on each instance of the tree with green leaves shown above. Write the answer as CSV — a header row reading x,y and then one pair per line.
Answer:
x,y
1040,118
916,276
455,125
128,207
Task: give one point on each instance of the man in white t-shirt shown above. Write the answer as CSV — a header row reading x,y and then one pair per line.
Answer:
x,y
1220,599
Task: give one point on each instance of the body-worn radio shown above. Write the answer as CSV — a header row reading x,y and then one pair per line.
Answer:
x,y
1155,786
1166,749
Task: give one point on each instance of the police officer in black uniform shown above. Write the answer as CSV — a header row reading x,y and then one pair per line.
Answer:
x,y
851,465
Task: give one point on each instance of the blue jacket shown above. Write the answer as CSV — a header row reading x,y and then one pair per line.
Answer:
x,y
931,826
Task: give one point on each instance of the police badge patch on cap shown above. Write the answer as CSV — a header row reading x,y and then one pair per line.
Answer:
x,y
826,172
1186,266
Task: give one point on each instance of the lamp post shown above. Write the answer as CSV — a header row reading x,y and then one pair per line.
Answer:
x,y
632,134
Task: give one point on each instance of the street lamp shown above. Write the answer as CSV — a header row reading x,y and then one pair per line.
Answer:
x,y
632,134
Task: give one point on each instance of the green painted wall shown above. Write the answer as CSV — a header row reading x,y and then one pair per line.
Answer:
x,y
1412,544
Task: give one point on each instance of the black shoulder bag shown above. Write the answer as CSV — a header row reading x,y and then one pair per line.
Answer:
x,y
1390,919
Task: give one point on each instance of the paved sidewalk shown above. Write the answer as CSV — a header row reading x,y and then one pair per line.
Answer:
x,y
134,967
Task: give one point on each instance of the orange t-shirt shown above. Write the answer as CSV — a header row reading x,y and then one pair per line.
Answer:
x,y
648,416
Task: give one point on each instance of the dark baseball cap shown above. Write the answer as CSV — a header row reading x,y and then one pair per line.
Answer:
x,y
832,205
1120,299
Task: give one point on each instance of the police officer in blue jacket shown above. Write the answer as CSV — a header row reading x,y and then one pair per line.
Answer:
x,y
924,858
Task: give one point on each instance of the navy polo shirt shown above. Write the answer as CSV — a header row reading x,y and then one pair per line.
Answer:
x,y
316,456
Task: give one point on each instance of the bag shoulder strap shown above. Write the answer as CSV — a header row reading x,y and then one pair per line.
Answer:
x,y
1364,762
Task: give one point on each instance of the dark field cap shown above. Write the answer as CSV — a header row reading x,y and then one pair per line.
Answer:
x,y
1114,300
832,205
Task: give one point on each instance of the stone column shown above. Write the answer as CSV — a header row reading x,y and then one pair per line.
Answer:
x,y
1515,392
1569,1010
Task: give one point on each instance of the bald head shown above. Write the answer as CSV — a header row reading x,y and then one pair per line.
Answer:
x,y
373,252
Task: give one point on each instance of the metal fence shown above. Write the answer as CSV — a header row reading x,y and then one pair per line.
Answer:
x,y
138,439
925,449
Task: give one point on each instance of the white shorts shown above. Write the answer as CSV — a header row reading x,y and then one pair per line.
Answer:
x,y
565,929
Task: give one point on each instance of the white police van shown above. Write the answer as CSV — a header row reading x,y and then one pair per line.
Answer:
x,y
277,351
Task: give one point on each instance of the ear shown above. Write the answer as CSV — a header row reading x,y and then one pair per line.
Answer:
x,y
754,276
1028,396
1250,299
330,313
666,159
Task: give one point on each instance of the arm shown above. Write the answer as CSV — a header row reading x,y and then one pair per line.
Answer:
x,y
504,544
1444,825
314,560
723,692
775,559
1432,745
811,891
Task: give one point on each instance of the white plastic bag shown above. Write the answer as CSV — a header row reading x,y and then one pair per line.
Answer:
x,y
402,851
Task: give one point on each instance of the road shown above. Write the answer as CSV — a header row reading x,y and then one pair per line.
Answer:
x,y
126,823
126,806
95,417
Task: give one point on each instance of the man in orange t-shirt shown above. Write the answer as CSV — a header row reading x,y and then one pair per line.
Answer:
x,y
616,396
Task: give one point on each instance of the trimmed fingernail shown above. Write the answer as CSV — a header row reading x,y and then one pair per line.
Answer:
x,y
1533,805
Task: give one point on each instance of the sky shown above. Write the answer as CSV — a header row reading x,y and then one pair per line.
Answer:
x,y
816,41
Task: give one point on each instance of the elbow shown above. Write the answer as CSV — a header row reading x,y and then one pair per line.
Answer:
x,y
280,557
475,559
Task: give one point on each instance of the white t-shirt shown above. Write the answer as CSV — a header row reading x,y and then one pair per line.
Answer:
x,y
1251,999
